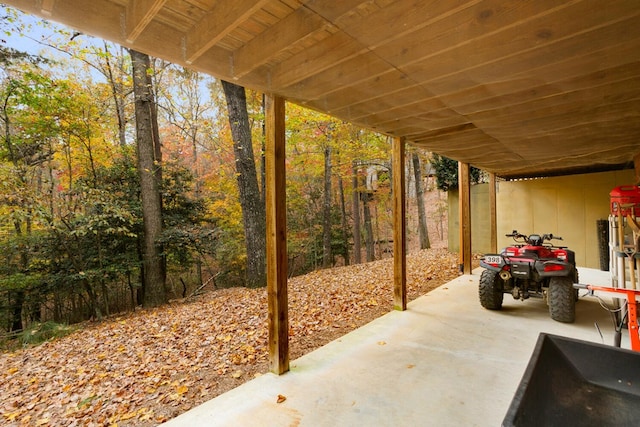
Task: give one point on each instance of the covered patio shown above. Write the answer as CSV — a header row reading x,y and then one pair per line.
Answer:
x,y
520,89
444,362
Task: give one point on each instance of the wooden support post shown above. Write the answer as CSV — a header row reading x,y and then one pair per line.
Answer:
x,y
493,212
276,234
464,191
399,227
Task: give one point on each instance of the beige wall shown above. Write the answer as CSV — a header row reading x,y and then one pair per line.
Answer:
x,y
567,206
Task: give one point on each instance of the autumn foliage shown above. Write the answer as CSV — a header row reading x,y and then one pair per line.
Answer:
x,y
141,369
73,236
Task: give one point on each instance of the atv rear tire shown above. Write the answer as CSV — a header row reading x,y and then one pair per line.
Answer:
x,y
562,299
490,290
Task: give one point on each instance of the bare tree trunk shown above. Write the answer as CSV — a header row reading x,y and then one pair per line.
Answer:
x,y
422,216
197,190
253,209
368,227
16,310
93,300
357,246
117,91
20,294
149,168
345,228
327,258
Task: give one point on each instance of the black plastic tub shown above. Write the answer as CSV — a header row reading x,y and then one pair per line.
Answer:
x,y
570,382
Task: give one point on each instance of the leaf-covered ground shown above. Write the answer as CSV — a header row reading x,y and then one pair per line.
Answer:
x,y
146,367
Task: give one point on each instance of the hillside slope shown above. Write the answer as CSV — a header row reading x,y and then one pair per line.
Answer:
x,y
146,367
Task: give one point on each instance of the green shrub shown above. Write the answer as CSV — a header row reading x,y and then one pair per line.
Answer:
x,y
38,333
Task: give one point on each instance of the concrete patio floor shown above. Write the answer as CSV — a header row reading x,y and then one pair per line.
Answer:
x,y
445,361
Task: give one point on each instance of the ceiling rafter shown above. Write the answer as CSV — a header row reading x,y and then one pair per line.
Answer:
x,y
341,44
375,29
217,24
389,122
564,94
138,15
335,49
47,7
287,32
527,74
448,40
545,81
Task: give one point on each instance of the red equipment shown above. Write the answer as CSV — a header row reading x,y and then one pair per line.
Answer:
x,y
632,309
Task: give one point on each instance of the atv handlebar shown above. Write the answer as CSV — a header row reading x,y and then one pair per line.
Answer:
x,y
530,239
515,235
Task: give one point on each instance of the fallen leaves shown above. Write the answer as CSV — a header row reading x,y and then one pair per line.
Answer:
x,y
144,368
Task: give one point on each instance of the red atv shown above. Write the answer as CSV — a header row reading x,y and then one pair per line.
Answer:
x,y
531,268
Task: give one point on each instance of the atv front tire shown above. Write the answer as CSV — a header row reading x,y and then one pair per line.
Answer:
x,y
562,299
490,290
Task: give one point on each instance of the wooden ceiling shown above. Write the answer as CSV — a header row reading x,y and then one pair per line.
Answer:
x,y
519,88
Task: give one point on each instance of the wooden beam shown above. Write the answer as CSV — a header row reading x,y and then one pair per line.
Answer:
x,y
217,24
399,227
139,14
464,190
345,74
291,30
276,235
335,49
481,50
493,212
47,7
374,26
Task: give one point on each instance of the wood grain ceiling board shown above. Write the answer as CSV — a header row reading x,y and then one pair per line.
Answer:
x,y
524,53
372,102
493,96
607,99
494,83
288,31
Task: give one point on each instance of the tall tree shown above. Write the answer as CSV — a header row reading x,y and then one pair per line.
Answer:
x,y
343,217
367,198
186,110
357,246
149,169
422,216
113,68
327,256
253,209
25,102
21,222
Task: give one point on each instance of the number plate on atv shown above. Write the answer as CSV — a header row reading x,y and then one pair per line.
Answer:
x,y
493,259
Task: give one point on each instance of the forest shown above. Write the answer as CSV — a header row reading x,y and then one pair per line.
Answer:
x,y
128,181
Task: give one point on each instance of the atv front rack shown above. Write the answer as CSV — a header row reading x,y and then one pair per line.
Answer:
x,y
632,308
